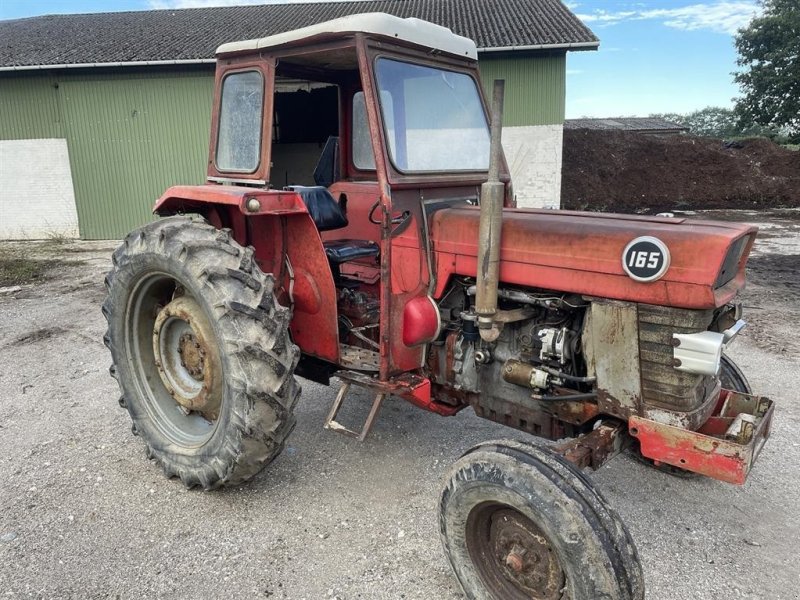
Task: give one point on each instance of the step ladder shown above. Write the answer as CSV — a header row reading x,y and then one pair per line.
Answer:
x,y
332,424
405,386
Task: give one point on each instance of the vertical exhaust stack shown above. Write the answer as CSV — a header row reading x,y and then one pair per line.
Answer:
x,y
492,193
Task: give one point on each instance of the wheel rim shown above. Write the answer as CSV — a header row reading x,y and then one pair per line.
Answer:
x,y
513,555
175,360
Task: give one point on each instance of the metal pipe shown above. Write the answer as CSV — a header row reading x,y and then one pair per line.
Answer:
x,y
567,46
490,228
98,65
566,376
586,396
518,296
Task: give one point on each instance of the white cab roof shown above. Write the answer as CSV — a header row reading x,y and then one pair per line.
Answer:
x,y
415,31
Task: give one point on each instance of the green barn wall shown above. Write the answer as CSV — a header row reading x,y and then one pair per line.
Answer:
x,y
131,134
29,108
535,90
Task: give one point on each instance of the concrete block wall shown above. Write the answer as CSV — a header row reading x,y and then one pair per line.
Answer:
x,y
534,154
37,199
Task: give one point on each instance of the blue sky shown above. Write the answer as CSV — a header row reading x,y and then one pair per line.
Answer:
x,y
655,55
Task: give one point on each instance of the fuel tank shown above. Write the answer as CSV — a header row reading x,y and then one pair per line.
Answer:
x,y
585,253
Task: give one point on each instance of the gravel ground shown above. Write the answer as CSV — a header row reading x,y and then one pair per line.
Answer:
x,y
83,514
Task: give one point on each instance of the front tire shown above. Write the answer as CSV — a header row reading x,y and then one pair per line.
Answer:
x,y
732,377
201,351
519,522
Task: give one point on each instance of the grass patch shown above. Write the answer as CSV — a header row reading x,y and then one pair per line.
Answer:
x,y
17,269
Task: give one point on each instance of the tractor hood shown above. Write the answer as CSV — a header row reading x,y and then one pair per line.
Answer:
x,y
701,263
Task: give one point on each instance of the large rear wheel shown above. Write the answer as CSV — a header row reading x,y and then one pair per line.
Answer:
x,y
201,352
519,522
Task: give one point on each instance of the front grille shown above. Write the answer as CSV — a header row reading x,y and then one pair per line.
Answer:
x,y
662,385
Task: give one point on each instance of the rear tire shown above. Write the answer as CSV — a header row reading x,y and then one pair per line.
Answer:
x,y
518,521
201,351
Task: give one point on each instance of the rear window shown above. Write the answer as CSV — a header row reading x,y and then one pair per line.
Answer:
x,y
240,112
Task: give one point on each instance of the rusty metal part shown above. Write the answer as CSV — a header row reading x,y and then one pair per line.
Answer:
x,y
707,451
597,447
492,331
514,315
360,359
520,373
512,554
536,418
192,355
187,357
611,347
490,228
332,424
415,389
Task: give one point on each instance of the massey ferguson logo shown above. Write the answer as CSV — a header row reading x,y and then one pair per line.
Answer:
x,y
645,258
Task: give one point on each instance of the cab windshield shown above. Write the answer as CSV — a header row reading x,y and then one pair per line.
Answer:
x,y
433,119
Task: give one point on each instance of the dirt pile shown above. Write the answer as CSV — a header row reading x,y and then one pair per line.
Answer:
x,y
631,172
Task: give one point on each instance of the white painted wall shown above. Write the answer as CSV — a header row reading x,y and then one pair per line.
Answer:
x,y
37,199
534,155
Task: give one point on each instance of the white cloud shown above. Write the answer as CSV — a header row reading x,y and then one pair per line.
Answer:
x,y
574,71
722,16
602,16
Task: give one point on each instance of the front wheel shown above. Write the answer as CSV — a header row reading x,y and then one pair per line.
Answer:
x,y
201,352
518,522
732,378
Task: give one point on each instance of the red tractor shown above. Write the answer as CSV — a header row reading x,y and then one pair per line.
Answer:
x,y
359,222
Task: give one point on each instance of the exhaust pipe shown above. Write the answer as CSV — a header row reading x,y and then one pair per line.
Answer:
x,y
492,193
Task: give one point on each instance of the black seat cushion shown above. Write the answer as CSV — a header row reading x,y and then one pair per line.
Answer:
x,y
324,210
341,251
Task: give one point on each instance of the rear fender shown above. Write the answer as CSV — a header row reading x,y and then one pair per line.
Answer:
x,y
287,244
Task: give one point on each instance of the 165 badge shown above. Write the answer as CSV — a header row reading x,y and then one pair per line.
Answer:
x,y
645,258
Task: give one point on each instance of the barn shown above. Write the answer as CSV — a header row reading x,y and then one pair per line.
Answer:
x,y
100,112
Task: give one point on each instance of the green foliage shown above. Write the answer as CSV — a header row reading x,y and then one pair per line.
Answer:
x,y
716,122
769,54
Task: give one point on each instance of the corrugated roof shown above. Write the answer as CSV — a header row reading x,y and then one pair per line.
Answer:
x,y
625,124
194,33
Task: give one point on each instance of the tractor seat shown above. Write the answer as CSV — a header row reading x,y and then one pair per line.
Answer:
x,y
324,210
341,251
328,214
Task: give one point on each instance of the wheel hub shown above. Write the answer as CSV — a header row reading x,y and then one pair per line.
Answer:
x,y
516,559
186,357
192,355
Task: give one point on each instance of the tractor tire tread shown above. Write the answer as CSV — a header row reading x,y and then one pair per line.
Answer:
x,y
255,334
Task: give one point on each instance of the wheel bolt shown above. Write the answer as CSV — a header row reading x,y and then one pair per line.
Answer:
x,y
514,562
514,558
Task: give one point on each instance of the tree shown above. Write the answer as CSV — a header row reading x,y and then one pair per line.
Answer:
x,y
769,54
716,122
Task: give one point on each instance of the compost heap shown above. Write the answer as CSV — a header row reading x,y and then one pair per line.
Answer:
x,y
636,173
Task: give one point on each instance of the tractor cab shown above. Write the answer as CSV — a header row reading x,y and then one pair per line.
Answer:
x,y
365,121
